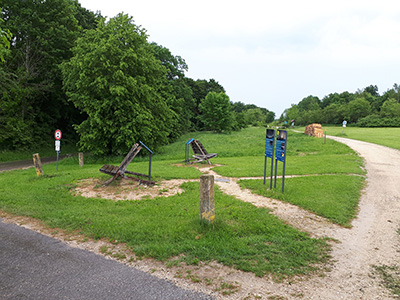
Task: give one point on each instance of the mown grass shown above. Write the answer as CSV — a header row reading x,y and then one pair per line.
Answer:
x,y
243,236
334,197
389,137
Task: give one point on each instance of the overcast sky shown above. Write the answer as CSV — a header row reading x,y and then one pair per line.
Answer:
x,y
275,53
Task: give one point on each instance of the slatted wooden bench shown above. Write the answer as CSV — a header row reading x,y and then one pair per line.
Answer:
x,y
200,153
120,171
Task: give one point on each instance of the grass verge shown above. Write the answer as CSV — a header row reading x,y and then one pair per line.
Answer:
x,y
388,137
334,197
243,237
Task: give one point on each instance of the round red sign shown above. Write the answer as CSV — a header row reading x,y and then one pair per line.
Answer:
x,y
57,134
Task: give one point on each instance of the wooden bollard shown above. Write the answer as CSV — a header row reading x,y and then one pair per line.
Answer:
x,y
80,159
207,204
38,164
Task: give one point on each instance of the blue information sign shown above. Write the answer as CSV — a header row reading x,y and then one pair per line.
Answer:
x,y
280,153
269,143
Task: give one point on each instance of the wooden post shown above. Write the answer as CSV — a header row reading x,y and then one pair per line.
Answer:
x,y
80,159
207,205
38,164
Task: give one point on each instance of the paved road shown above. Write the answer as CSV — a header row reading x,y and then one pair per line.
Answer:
x,y
34,266
27,163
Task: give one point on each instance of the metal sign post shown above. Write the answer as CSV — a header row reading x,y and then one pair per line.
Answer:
x,y
344,125
150,154
187,159
57,136
269,152
280,154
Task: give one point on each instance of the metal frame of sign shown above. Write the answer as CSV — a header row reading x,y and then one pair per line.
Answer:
x,y
280,154
269,152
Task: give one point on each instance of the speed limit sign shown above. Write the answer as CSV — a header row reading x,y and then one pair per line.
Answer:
x,y
57,134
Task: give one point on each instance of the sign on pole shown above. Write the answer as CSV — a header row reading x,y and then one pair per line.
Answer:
x,y
269,152
344,125
280,154
58,146
279,145
57,136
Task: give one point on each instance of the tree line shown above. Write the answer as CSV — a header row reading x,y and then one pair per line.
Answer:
x,y
365,108
101,82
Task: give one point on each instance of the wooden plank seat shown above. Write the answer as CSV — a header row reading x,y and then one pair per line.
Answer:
x,y
200,153
120,171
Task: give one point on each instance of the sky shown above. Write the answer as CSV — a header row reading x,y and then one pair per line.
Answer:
x,y
275,53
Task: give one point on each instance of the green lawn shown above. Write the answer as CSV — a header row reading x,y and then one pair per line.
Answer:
x,y
244,237
389,137
334,197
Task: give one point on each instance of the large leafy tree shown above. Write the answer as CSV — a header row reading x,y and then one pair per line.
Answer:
x,y
216,112
5,37
358,109
200,89
115,79
176,91
390,108
43,34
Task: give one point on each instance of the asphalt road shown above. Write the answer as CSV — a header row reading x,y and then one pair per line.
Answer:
x,y
34,266
12,165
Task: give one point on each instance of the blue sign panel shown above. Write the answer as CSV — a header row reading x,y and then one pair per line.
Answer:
x,y
269,143
280,153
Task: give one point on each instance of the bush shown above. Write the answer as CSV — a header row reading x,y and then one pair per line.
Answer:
x,y
378,121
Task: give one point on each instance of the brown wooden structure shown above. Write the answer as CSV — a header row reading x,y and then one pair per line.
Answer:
x,y
120,171
199,152
314,130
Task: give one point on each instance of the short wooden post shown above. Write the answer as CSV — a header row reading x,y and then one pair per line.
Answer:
x,y
80,159
207,205
38,164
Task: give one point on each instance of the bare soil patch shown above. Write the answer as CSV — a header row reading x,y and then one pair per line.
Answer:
x,y
127,189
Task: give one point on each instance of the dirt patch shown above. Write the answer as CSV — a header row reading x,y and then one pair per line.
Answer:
x,y
127,189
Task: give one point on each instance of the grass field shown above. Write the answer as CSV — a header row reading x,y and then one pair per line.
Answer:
x,y
389,137
244,237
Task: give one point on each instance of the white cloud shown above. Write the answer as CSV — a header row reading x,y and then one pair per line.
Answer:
x,y
274,53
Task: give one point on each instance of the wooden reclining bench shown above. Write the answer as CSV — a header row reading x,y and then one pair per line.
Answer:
x,y
200,153
120,171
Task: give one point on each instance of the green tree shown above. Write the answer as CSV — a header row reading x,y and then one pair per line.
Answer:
x,y
176,91
5,78
200,88
5,37
390,109
216,112
358,109
334,113
35,104
372,89
292,113
115,79
258,116
309,103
